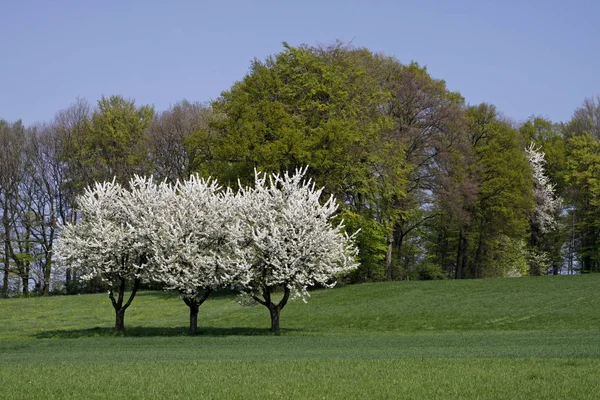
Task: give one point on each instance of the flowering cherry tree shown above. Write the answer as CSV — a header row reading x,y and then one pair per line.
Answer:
x,y
195,242
288,242
112,238
194,237
547,206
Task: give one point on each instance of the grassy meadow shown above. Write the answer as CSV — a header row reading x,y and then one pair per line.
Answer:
x,y
520,338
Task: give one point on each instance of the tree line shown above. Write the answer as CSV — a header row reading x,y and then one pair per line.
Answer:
x,y
438,188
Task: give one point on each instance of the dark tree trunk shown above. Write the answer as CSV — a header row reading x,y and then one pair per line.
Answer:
x,y
25,265
395,241
399,244
194,319
68,280
118,303
6,252
274,309
556,268
586,263
119,320
389,267
534,240
5,277
46,288
475,267
47,273
194,304
25,280
588,241
70,273
48,250
461,256
5,280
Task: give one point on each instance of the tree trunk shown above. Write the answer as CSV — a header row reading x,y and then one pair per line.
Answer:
x,y
118,303
5,277
388,257
461,256
587,243
275,311
47,273
5,280
25,280
68,280
399,243
6,252
194,319
475,269
194,304
119,320
555,268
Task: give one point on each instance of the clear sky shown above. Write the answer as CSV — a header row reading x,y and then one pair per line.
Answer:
x,y
526,57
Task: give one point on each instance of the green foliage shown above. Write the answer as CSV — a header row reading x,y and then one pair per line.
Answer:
x,y
115,142
510,257
427,271
550,139
303,106
486,220
422,175
316,106
582,135
371,242
584,180
505,188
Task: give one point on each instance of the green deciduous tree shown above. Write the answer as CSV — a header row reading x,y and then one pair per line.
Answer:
x,y
486,201
583,179
425,117
12,143
115,140
317,106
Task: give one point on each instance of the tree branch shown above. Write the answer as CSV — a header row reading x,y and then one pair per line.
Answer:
x,y
136,285
284,300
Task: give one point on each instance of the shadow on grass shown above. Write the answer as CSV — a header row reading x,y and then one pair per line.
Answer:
x,y
157,331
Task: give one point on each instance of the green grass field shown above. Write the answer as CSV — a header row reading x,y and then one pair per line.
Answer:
x,y
521,338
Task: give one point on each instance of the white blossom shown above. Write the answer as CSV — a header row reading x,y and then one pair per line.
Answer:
x,y
193,242
290,242
547,204
195,237
112,238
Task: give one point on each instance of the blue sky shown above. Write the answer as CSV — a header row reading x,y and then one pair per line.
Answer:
x,y
526,57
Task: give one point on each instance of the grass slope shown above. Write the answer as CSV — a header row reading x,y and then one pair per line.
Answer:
x,y
486,339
